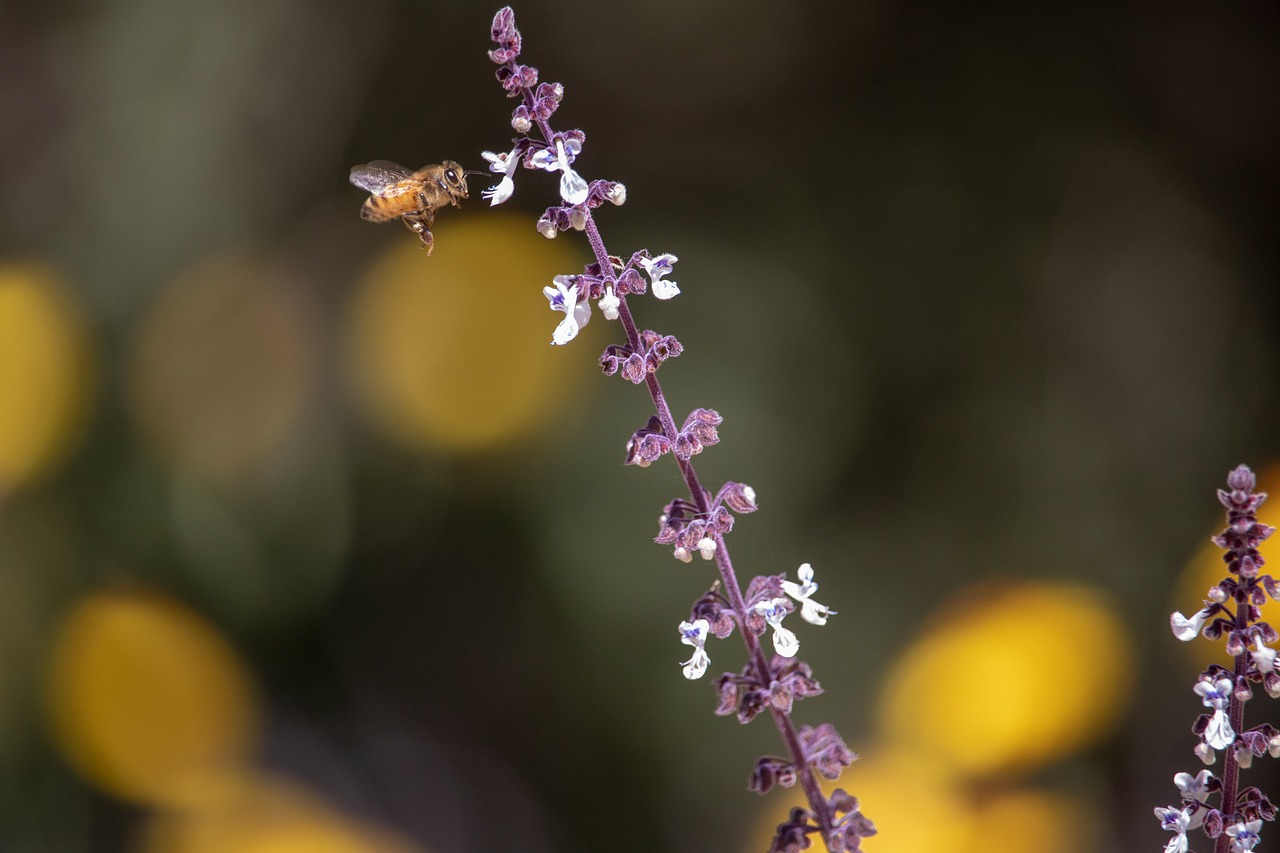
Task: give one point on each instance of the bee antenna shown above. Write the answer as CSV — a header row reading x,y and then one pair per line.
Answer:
x,y
473,172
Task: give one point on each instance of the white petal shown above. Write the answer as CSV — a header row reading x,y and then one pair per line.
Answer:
x,y
694,633
609,304
544,158
1219,734
572,188
664,289
582,313
815,613
565,332
501,192
1186,629
696,666
785,642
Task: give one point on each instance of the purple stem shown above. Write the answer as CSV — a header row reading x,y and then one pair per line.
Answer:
x,y
1235,713
808,781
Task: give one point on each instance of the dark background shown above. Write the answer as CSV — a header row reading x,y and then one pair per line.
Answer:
x,y
983,291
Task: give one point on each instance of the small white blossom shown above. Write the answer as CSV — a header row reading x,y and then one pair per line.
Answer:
x,y
564,297
1245,836
1214,693
1178,822
573,189
1219,733
682,554
505,165
1264,657
811,611
1193,787
1205,753
658,269
707,547
617,193
774,610
1187,629
695,634
609,303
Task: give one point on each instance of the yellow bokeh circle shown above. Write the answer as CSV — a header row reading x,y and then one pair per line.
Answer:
x,y
266,815
452,351
44,368
1040,822
147,700
915,807
1011,679
225,363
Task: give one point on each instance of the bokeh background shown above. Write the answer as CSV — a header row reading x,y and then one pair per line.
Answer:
x,y
309,542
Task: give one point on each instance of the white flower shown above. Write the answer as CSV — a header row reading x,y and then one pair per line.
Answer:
x,y
1195,793
1194,788
1214,694
1219,733
617,193
785,642
1245,835
1264,657
505,165
1186,629
658,268
609,303
811,611
695,634
573,189
1175,821
1205,753
707,547
564,297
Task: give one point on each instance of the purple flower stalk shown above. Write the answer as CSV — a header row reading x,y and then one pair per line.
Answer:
x,y
1231,611
767,683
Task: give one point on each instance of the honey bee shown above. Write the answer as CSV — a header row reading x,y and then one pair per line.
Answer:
x,y
397,193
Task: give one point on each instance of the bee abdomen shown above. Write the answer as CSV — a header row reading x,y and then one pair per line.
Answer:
x,y
376,209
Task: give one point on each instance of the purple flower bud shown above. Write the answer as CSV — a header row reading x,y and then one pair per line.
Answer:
x,y
686,446
770,771
1242,479
631,282
634,369
504,29
647,444
721,520
739,497
793,833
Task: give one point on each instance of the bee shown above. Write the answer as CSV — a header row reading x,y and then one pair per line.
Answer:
x,y
397,193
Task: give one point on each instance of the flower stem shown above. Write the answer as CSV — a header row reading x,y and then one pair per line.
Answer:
x,y
1235,713
724,564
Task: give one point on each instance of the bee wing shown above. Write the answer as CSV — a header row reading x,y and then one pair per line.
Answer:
x,y
378,176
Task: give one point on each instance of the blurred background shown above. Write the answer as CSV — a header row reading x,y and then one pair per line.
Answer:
x,y
309,542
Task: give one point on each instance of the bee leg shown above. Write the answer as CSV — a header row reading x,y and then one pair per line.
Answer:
x,y
419,227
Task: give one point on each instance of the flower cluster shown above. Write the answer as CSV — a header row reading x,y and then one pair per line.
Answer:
x,y
1231,611
699,523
